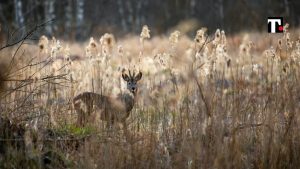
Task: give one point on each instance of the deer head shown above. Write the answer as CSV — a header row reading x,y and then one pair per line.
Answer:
x,y
132,80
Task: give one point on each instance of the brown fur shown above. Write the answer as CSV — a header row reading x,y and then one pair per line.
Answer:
x,y
111,109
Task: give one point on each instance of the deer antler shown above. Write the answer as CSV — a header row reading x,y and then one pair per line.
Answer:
x,y
123,71
129,73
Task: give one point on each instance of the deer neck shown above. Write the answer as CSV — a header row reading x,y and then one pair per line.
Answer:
x,y
128,99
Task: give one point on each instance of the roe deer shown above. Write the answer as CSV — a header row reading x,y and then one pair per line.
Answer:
x,y
111,109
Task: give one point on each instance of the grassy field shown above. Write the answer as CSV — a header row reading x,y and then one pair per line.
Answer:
x,y
203,102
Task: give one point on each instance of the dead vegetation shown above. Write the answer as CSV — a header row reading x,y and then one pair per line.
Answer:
x,y
201,103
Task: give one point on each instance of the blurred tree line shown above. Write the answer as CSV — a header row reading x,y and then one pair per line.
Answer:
x,y
79,19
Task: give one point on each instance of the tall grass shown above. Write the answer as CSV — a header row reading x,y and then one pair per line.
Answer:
x,y
202,103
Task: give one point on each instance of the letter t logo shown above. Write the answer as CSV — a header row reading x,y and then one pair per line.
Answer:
x,y
275,24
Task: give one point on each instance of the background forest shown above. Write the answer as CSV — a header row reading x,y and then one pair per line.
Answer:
x,y
83,18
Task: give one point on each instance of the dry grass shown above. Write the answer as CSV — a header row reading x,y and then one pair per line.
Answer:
x,y
207,102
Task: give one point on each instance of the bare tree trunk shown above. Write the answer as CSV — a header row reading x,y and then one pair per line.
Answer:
x,y
192,7
69,18
287,8
19,18
122,16
130,14
79,17
2,18
49,14
138,15
221,12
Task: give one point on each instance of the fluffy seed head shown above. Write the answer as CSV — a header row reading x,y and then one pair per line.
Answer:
x,y
43,44
107,39
200,36
173,39
145,33
91,49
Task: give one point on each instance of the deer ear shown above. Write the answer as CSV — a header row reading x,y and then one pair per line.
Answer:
x,y
125,77
138,76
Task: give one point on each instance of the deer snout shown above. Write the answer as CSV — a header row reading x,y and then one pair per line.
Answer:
x,y
133,89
